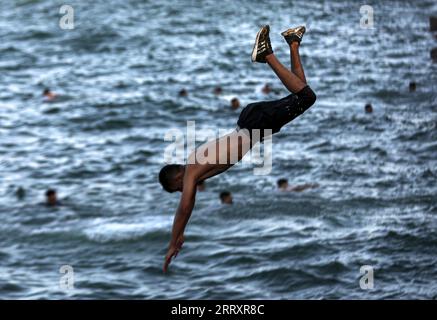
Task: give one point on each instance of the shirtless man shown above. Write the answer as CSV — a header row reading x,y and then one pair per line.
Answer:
x,y
255,120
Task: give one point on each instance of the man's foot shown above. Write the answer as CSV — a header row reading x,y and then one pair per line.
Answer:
x,y
262,46
294,34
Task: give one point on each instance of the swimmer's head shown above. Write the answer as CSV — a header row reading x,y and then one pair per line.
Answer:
x,y
226,197
266,89
218,90
412,86
282,184
183,93
20,193
51,197
235,103
171,177
48,95
368,108
46,92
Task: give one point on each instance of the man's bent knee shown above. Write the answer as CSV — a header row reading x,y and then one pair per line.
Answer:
x,y
307,97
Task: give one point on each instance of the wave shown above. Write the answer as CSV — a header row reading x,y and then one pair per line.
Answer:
x,y
106,230
152,229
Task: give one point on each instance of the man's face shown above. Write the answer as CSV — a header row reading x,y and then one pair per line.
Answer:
x,y
284,186
235,104
51,199
227,200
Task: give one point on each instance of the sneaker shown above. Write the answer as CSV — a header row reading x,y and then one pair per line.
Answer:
x,y
294,34
262,46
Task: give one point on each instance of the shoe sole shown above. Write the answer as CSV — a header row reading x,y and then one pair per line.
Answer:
x,y
255,46
288,32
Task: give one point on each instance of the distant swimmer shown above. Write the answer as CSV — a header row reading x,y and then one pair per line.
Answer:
x,y
226,197
183,93
412,86
52,198
235,103
368,108
284,186
48,95
218,91
266,89
20,193
254,121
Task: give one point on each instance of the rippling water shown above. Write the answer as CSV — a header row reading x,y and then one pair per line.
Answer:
x,y
101,145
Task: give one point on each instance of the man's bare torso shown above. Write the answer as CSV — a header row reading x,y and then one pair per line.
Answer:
x,y
217,156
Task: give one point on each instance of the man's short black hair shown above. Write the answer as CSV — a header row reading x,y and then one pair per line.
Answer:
x,y
224,194
46,91
412,86
50,192
282,181
167,176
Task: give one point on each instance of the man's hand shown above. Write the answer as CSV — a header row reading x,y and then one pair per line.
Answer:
x,y
173,251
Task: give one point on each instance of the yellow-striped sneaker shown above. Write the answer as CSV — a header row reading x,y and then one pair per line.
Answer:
x,y
294,34
262,46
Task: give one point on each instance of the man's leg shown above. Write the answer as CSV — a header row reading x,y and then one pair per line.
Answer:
x,y
262,52
296,65
290,80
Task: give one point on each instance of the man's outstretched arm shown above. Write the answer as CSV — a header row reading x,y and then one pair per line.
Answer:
x,y
183,213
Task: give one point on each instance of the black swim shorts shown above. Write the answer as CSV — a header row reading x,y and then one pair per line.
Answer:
x,y
275,114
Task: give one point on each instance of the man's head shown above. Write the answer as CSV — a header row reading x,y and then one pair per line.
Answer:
x,y
20,193
218,90
51,197
46,92
412,86
282,184
183,93
171,177
266,89
226,197
368,108
235,103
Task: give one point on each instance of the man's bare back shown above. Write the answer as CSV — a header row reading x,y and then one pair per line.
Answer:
x,y
217,156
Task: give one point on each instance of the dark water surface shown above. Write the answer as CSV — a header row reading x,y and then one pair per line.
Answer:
x,y
101,145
